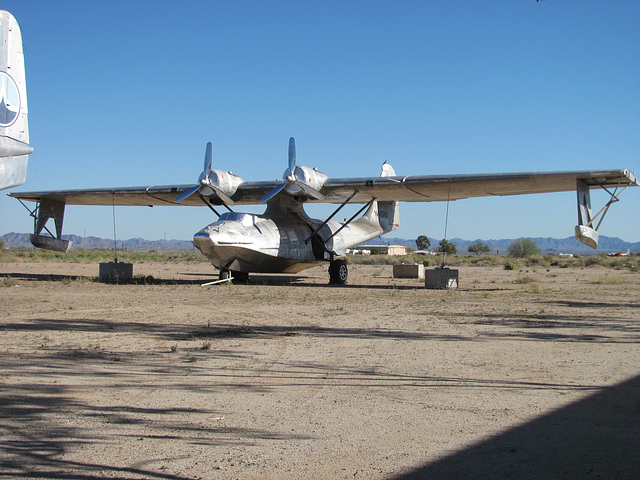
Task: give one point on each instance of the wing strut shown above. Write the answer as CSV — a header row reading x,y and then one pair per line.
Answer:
x,y
209,205
317,229
585,232
46,209
351,219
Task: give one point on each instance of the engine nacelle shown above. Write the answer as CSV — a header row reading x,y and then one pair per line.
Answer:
x,y
309,176
226,182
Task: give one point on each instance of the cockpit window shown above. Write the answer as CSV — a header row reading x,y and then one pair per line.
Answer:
x,y
246,219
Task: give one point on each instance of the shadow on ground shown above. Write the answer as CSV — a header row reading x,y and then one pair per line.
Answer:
x,y
39,440
200,279
596,437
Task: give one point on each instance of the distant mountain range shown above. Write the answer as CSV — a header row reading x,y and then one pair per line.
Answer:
x,y
546,245
88,243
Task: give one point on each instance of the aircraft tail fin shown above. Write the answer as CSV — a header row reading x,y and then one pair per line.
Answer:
x,y
384,214
14,128
388,212
388,216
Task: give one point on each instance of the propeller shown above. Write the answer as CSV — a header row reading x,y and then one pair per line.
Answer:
x,y
296,179
213,181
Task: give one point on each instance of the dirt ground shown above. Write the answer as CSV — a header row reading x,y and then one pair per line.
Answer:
x,y
516,374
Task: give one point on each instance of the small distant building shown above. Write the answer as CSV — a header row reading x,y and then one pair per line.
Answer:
x,y
382,249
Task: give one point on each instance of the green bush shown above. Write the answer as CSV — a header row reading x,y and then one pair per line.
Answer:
x,y
523,247
510,266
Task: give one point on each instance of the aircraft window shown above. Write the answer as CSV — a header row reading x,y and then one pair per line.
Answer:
x,y
245,219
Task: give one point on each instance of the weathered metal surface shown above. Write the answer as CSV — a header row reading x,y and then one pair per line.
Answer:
x,y
50,243
587,235
278,241
415,188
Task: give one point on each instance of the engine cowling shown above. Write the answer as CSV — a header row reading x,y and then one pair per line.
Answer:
x,y
225,182
308,176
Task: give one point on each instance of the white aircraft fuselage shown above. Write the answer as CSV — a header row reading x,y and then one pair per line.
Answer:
x,y
282,240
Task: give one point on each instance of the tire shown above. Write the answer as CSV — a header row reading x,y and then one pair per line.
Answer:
x,y
240,277
338,272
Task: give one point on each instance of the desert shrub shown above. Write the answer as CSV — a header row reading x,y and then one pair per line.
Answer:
x,y
372,259
610,280
619,262
510,266
595,260
525,280
523,247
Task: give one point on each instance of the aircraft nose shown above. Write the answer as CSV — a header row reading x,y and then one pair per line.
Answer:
x,y
201,239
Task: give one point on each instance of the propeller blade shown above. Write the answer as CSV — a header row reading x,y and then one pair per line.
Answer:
x,y
208,154
187,193
222,196
312,192
292,155
208,186
273,193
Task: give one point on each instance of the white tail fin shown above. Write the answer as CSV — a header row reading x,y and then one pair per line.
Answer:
x,y
388,216
14,128
385,215
388,212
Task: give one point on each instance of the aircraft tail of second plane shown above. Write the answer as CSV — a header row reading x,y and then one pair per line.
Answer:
x,y
14,127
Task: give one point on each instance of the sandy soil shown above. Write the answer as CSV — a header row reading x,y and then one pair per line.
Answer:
x,y
530,374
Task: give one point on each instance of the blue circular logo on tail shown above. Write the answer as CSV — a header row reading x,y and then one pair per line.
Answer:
x,y
9,100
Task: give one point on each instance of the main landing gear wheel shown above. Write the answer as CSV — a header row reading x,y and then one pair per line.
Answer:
x,y
338,272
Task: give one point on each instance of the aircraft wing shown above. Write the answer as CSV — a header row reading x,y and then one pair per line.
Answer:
x,y
153,195
421,188
411,188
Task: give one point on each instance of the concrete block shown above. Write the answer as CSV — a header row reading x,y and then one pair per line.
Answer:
x,y
439,278
408,270
116,271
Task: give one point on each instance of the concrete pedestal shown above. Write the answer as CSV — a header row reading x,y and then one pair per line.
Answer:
x,y
408,270
439,278
116,271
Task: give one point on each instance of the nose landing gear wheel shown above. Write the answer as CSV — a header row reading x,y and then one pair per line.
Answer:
x,y
338,272
238,277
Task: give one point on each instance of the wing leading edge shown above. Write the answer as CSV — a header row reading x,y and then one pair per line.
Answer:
x,y
412,188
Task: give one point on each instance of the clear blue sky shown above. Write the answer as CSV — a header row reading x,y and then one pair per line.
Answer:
x,y
128,93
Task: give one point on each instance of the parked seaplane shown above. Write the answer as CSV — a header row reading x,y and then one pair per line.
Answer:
x,y
284,239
